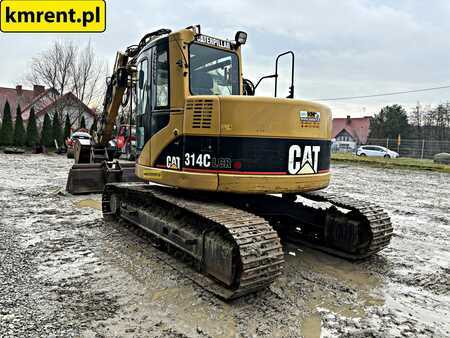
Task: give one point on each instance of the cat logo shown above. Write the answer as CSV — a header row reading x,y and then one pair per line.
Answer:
x,y
302,163
173,162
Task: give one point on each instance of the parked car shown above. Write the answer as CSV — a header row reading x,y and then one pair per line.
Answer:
x,y
70,142
442,158
373,151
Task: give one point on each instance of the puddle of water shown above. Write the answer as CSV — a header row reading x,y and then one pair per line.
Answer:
x,y
188,309
178,305
89,203
311,327
346,274
340,269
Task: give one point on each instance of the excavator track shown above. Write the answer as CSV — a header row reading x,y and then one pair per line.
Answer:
x,y
378,221
233,252
357,232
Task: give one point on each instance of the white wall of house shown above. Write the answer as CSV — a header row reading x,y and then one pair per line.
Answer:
x,y
345,142
345,145
74,115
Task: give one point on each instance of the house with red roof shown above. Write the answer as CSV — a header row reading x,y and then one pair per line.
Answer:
x,y
19,96
350,132
45,101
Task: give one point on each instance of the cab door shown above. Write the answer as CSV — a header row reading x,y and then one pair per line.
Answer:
x,y
143,111
160,99
153,100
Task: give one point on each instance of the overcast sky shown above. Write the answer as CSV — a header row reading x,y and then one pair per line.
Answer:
x,y
343,48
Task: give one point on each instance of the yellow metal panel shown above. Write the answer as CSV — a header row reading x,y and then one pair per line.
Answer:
x,y
161,139
269,184
245,184
180,179
272,117
166,135
179,78
144,157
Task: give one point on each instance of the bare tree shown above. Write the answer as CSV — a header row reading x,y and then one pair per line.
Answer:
x,y
440,115
68,68
86,71
416,120
52,67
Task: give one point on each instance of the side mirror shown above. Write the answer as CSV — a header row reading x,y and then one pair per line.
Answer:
x,y
141,79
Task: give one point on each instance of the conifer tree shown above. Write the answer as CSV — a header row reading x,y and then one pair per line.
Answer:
x,y
6,133
94,126
19,129
57,132
46,134
83,122
67,127
32,132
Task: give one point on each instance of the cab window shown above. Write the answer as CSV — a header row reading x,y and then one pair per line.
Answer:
x,y
142,87
142,100
161,77
160,115
213,71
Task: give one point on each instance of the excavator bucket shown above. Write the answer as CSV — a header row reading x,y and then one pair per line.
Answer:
x,y
90,178
94,168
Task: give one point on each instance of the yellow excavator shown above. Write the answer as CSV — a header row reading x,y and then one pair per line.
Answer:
x,y
233,174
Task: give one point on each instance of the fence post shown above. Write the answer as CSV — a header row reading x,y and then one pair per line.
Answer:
x,y
387,143
423,145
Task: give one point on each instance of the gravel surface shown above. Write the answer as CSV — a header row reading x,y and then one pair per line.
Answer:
x,y
65,273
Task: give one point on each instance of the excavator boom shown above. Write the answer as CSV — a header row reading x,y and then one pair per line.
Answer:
x,y
118,83
94,166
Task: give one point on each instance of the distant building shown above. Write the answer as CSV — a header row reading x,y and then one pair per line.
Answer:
x,y
45,101
23,97
349,132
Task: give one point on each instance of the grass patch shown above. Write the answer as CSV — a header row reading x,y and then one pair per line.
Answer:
x,y
402,162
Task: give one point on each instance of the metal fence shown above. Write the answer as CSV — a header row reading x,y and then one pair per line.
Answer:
x,y
413,148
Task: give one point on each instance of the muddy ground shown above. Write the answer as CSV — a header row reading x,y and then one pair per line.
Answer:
x,y
64,272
